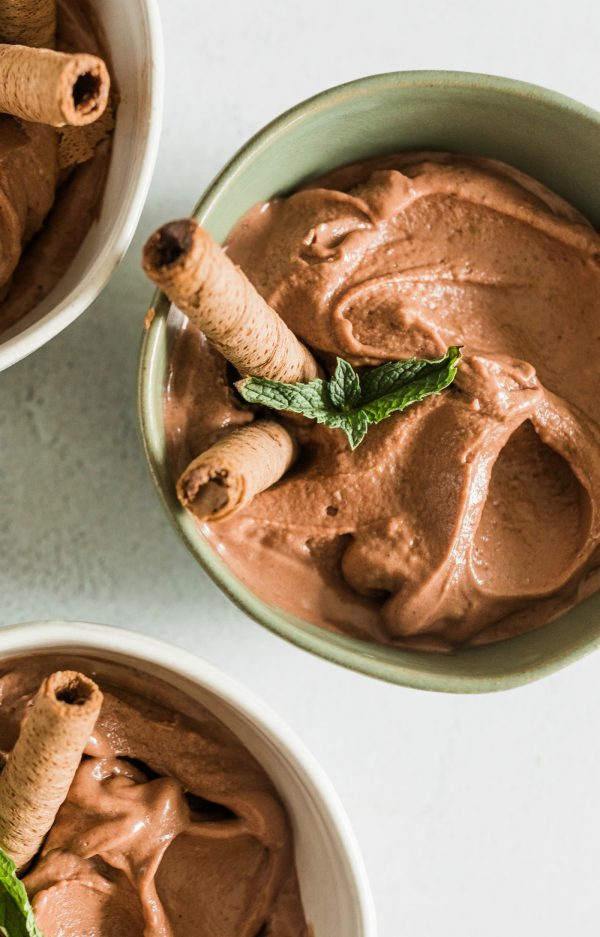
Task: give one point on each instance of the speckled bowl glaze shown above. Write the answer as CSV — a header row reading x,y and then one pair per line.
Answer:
x,y
551,137
333,881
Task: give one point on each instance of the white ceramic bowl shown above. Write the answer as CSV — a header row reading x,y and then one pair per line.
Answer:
x,y
333,882
135,39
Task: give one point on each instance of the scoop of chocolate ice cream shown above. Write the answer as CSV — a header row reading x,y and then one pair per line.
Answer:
x,y
170,828
48,198
28,178
473,515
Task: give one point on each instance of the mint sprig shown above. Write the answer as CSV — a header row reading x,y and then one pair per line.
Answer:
x,y
16,913
351,402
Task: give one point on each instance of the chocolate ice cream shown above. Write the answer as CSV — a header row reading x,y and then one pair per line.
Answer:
x,y
170,828
51,185
472,516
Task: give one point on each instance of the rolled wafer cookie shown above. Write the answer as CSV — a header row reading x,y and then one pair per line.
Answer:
x,y
227,476
79,144
29,22
55,88
42,765
198,276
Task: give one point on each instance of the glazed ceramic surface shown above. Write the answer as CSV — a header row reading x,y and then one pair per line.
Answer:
x,y
333,882
551,137
134,37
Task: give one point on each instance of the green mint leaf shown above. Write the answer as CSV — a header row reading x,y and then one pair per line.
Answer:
x,y
350,403
16,913
394,375
355,426
344,386
308,399
433,378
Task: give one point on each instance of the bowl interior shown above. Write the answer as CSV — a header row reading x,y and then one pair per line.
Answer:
x,y
134,38
546,135
332,880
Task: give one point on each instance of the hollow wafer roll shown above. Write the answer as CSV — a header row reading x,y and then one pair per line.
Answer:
x,y
42,765
228,475
198,276
54,88
30,22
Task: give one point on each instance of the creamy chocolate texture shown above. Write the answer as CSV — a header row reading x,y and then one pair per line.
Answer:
x,y
473,515
46,208
170,828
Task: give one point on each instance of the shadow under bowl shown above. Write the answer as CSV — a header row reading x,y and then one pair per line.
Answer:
x,y
550,137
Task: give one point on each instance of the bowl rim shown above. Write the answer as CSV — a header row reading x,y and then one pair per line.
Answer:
x,y
36,335
414,78
359,656
83,637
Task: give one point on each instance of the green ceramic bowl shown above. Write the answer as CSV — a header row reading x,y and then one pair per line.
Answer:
x,y
551,137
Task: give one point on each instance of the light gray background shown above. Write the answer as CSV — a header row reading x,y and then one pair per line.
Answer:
x,y
476,816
